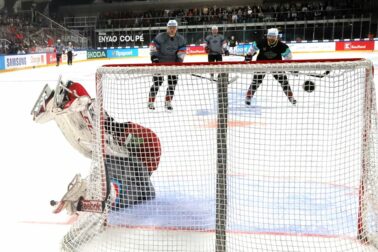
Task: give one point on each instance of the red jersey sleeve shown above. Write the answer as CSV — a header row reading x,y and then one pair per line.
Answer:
x,y
149,150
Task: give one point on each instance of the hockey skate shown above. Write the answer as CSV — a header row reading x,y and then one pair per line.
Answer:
x,y
292,100
131,180
248,100
168,105
151,105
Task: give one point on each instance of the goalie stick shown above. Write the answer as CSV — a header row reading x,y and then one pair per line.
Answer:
x,y
233,79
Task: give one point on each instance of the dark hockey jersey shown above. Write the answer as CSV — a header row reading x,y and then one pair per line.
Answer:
x,y
266,52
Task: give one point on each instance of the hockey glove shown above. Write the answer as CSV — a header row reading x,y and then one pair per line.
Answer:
x,y
248,57
154,59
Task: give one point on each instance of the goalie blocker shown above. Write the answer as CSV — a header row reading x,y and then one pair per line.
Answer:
x,y
132,151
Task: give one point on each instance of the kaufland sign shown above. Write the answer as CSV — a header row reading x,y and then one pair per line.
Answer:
x,y
354,45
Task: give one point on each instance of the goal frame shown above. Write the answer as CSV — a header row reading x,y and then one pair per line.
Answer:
x,y
222,122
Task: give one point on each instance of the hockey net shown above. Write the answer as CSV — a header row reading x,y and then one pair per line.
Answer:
x,y
271,176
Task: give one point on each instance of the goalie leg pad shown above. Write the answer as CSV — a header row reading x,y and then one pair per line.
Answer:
x,y
131,179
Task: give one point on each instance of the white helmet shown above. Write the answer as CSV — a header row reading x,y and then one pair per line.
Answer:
x,y
272,32
58,41
172,23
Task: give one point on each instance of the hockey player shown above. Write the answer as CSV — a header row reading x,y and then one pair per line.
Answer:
x,y
167,47
132,152
59,50
270,48
232,43
215,46
69,50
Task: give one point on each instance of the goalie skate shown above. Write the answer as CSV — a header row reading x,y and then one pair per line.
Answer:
x,y
76,191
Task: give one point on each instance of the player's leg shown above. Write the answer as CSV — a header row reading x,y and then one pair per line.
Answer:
x,y
131,179
57,59
172,82
256,81
218,58
69,57
157,82
282,79
211,58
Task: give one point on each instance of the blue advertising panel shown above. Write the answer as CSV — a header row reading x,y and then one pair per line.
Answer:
x,y
122,53
242,49
2,65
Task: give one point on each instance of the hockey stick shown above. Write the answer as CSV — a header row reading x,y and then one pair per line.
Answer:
x,y
319,75
322,75
233,79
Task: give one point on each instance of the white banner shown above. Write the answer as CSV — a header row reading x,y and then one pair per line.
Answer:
x,y
78,56
24,60
312,47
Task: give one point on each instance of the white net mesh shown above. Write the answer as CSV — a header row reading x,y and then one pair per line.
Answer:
x,y
215,174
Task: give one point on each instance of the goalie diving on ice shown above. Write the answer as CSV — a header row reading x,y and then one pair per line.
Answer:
x,y
131,152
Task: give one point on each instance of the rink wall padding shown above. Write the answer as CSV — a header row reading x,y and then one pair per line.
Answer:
x,y
26,61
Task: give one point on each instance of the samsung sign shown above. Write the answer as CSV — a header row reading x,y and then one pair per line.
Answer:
x,y
16,61
120,38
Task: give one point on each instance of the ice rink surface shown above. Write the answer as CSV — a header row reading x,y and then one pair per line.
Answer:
x,y
37,161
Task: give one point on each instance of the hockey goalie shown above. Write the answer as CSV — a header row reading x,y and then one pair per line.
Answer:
x,y
132,151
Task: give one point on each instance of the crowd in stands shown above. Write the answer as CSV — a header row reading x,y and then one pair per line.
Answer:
x,y
26,33
20,34
243,14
